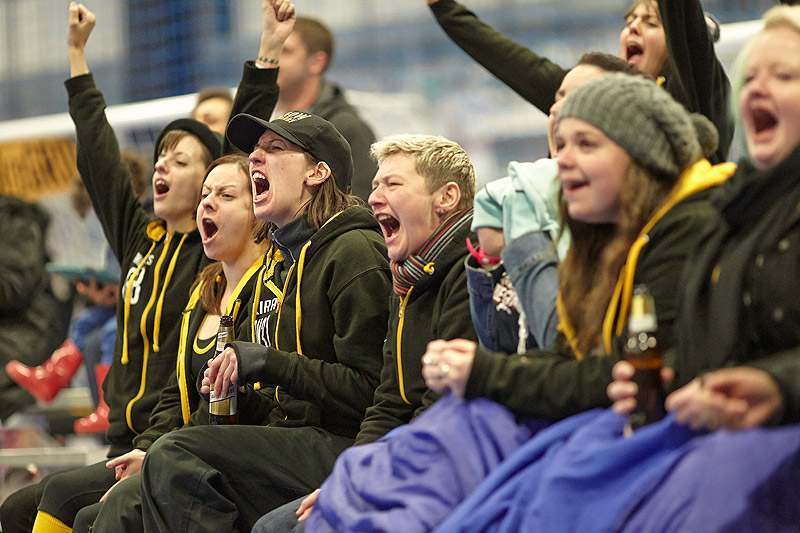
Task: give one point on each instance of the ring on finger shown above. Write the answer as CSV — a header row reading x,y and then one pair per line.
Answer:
x,y
444,370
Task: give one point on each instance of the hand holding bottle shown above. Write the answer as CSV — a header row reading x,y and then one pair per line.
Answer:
x,y
221,371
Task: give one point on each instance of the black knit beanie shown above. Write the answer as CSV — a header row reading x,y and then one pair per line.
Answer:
x,y
209,139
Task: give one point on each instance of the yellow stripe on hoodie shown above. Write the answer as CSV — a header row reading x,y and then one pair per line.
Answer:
x,y
145,339
232,309
160,305
401,318
182,343
698,177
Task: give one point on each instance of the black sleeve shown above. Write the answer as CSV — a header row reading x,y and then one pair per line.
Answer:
x,y
784,367
101,167
166,415
388,409
545,384
533,77
256,95
697,79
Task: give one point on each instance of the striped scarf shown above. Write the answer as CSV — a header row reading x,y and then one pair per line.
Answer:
x,y
409,272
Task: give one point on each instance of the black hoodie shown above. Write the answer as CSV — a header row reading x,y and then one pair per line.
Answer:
x,y
344,283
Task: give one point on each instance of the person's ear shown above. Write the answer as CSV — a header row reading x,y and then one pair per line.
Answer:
x,y
317,62
318,174
449,198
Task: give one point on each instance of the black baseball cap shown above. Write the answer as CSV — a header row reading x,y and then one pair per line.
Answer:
x,y
210,139
313,134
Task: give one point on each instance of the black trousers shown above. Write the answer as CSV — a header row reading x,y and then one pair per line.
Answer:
x,y
19,509
61,495
222,478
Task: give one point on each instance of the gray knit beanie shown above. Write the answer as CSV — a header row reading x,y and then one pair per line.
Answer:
x,y
643,119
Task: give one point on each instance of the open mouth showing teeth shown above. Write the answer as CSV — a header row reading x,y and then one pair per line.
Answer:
x,y
209,228
569,186
160,186
633,50
763,120
260,184
389,224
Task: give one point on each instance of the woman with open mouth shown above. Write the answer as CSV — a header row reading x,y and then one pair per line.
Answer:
x,y
636,191
236,241
670,41
735,358
318,319
160,259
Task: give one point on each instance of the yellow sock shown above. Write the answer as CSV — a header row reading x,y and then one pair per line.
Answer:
x,y
49,524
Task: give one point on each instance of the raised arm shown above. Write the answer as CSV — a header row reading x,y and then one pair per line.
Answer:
x,y
100,164
697,78
533,77
257,93
277,23
81,23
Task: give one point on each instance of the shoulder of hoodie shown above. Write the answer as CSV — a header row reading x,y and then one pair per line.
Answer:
x,y
685,223
331,99
352,229
450,266
335,107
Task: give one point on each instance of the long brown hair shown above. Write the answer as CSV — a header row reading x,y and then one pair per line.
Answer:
x,y
213,277
589,272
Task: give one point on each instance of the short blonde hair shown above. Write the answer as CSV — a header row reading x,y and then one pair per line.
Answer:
x,y
436,159
782,17
777,17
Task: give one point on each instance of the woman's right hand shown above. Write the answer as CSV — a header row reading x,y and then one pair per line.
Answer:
x,y
446,365
81,23
277,23
622,391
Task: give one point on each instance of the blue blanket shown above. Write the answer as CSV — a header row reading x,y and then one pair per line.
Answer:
x,y
581,475
413,477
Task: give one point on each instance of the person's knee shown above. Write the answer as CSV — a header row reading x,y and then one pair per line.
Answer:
x,y
122,510
85,518
165,453
18,511
69,492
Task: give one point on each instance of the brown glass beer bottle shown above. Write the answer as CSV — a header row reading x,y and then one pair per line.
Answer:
x,y
643,351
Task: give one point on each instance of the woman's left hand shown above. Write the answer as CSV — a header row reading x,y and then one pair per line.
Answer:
x,y
446,365
731,398
222,370
125,466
